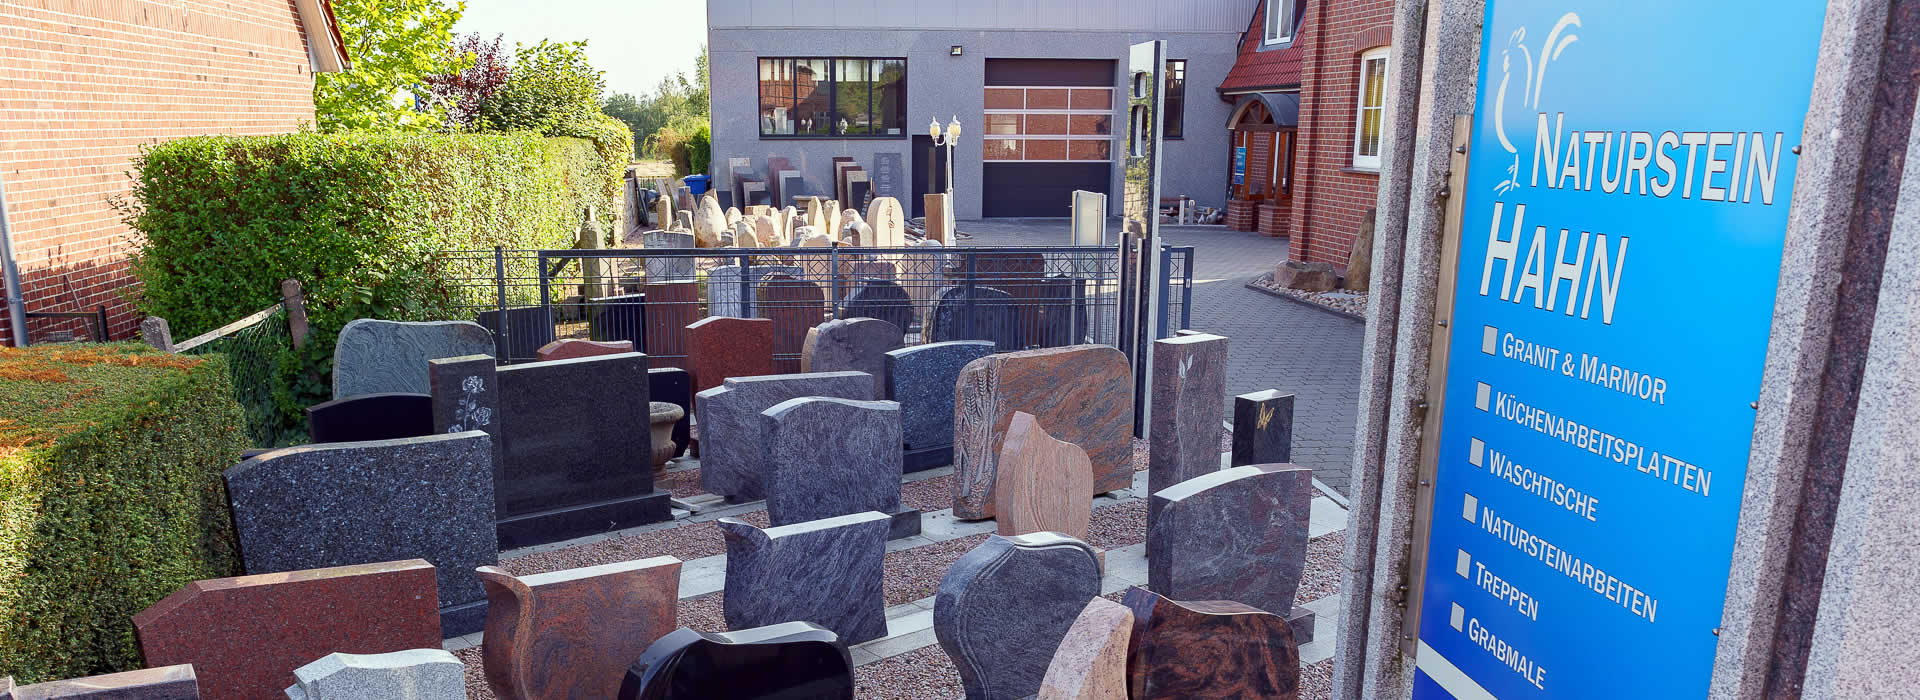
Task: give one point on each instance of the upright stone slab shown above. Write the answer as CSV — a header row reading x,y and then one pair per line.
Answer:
x,y
670,308
519,331
889,222
1238,534
938,227
571,466
1043,484
380,357
466,396
365,502
975,313
1189,383
883,299
787,660
1004,607
1083,394
675,386
851,345
572,633
371,417
828,572
831,457
175,682
414,674
723,288
245,636
796,306
619,318
724,346
1022,275
921,379
1208,649
732,432
1091,661
572,348
1262,428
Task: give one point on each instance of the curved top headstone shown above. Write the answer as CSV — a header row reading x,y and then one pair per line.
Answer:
x,y
1004,607
373,356
1237,534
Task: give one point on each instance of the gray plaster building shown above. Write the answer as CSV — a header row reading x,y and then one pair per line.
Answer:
x,y
1035,84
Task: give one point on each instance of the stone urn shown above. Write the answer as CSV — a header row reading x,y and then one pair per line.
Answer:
x,y
661,416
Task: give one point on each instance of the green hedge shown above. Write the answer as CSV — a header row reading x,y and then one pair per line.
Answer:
x,y
111,497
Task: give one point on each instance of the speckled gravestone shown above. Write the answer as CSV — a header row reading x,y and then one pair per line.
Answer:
x,y
723,288
828,572
1189,386
977,313
1004,607
796,306
732,431
832,457
1083,394
378,357
364,502
851,345
720,347
1208,649
414,674
175,682
670,307
1262,428
1091,662
883,299
1042,484
570,348
572,633
787,661
1237,534
921,379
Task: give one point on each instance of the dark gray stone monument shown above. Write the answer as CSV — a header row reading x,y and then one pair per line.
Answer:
x,y
922,379
1063,312
976,313
828,572
889,175
1189,384
851,345
832,457
1004,607
675,386
339,504
732,460
379,357
176,682
792,187
524,331
883,299
466,396
617,318
371,417
1262,428
1237,534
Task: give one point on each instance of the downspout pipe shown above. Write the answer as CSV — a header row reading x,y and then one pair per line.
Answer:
x,y
16,304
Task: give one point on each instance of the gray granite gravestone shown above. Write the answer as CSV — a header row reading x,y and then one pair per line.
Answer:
x,y
883,299
414,674
1189,384
379,357
889,175
1262,428
668,269
338,504
831,457
828,572
465,392
732,432
1004,607
176,682
921,379
723,288
1236,534
976,313
851,345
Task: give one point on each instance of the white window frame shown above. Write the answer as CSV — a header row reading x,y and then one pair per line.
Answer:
x,y
1383,54
1285,27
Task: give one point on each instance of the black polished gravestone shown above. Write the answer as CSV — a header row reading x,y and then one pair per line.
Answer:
x,y
1262,429
619,318
675,386
371,417
527,329
975,313
792,660
882,299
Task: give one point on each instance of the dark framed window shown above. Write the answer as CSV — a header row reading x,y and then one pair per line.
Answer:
x,y
833,97
1174,124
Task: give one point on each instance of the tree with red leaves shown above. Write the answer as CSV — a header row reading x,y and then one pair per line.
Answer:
x,y
464,92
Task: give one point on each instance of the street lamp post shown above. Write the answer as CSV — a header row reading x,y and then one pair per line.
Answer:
x,y
949,140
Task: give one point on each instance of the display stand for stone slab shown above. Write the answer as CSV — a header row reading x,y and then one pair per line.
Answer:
x,y
851,345
382,357
571,348
371,417
1238,534
1189,381
1091,661
1262,428
831,457
349,503
827,572
670,308
245,636
572,633
732,461
675,386
175,682
883,299
1083,394
974,313
414,674
921,379
1003,607
796,306
1042,484
787,661
720,347
1208,649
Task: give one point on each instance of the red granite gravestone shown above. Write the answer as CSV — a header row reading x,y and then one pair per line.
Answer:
x,y
671,307
1208,649
570,348
722,346
245,635
1023,276
795,306
573,633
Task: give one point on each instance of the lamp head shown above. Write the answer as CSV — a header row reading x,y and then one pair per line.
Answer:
x,y
953,129
933,129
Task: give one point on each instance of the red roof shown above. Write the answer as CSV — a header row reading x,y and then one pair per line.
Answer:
x,y
1262,70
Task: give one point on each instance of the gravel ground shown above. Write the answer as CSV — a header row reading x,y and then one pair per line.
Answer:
x,y
1340,300
682,484
921,674
915,573
928,495
1316,680
1118,525
1322,575
688,542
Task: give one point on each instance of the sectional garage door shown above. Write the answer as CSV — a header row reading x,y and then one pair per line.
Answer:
x,y
1048,130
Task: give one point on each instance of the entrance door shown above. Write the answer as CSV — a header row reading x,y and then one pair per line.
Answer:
x,y
929,173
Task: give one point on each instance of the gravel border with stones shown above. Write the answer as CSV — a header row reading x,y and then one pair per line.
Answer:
x,y
1354,309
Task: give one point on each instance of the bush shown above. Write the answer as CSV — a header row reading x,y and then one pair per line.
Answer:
x,y
687,141
111,497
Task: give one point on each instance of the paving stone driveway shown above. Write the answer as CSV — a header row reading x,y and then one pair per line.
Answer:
x,y
1276,344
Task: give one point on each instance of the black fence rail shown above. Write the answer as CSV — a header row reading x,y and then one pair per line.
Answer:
x,y
1020,298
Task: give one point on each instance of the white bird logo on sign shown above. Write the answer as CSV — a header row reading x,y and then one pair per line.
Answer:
x,y
1536,78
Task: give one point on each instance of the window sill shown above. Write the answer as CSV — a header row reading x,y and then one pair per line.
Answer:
x,y
1356,170
823,137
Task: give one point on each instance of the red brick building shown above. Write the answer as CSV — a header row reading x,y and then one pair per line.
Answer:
x,y
1314,178
85,83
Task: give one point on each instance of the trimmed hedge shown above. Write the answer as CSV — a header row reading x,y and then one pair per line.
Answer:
x,y
111,497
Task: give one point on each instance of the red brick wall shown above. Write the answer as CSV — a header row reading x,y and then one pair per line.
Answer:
x,y
85,83
1329,195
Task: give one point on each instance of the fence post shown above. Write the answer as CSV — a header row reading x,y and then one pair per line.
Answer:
x,y
155,331
1186,295
966,327
295,302
833,278
500,297
746,287
1165,273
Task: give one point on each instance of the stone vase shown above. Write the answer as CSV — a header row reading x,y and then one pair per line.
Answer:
x,y
661,416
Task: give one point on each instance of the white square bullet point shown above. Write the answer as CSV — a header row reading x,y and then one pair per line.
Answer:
x,y
1489,339
1477,453
1463,564
1483,396
1459,619
1470,509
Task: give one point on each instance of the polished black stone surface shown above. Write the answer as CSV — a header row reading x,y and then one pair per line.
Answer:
x,y
675,386
982,313
619,318
527,329
371,417
1262,428
790,661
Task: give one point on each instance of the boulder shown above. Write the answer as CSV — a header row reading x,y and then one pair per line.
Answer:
x,y
1312,277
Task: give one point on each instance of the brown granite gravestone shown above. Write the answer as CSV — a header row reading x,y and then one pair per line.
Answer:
x,y
572,634
1091,663
1022,275
1208,649
569,348
175,682
670,307
1042,484
245,635
1189,386
1083,394
795,306
724,346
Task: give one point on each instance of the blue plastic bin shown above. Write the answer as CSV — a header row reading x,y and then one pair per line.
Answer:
x,y
698,184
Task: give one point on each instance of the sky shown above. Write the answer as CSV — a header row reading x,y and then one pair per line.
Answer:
x,y
635,42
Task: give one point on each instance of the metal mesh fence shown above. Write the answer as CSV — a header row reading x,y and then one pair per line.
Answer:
x,y
253,355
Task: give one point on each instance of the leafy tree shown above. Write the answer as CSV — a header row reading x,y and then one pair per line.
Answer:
x,y
677,105
394,46
550,89
484,67
629,111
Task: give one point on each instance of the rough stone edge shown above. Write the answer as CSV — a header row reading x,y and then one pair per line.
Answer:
x,y
1255,286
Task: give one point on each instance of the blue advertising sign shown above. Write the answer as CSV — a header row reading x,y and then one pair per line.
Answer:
x,y
1631,168
1239,165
